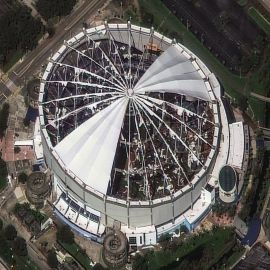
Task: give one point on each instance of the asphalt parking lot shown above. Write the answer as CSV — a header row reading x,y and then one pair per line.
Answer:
x,y
257,258
222,26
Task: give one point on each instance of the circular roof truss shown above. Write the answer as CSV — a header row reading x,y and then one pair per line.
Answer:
x,y
128,112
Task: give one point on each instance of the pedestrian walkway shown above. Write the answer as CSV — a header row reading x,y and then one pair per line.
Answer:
x,y
260,97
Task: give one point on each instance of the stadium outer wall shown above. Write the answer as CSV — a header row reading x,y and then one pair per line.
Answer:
x,y
133,213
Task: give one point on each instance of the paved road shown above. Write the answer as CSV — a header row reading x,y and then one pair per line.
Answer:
x,y
5,92
37,257
260,97
266,4
33,252
266,132
34,59
65,29
3,265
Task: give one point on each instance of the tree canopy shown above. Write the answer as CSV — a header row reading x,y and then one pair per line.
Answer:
x,y
5,249
53,8
98,266
64,234
3,173
140,262
1,224
52,259
19,247
4,112
19,31
10,232
22,177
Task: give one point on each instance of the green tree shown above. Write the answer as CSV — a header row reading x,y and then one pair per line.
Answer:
x,y
4,113
139,263
98,266
10,232
3,173
51,8
64,234
1,224
52,259
26,122
22,177
19,32
50,30
20,247
5,249
17,149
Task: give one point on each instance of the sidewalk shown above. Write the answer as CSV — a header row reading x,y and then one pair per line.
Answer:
x,y
3,265
34,13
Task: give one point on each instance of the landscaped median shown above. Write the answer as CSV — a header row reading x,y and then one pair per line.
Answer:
x,y
259,19
78,254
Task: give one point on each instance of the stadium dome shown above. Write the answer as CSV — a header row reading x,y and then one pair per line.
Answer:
x,y
129,119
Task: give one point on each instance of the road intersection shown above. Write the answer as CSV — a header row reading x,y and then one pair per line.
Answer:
x,y
33,61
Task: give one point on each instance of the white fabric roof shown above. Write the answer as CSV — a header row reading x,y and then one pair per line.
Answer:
x,y
223,152
173,72
237,145
89,150
37,140
23,143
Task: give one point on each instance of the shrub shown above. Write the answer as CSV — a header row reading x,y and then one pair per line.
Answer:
x,y
10,232
64,234
17,149
22,177
19,247
52,259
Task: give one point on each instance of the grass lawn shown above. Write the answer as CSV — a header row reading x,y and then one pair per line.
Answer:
x,y
234,257
78,254
215,242
259,19
24,263
12,60
258,108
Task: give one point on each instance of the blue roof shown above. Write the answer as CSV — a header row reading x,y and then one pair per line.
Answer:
x,y
31,114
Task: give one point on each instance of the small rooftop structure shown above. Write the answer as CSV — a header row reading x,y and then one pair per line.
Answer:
x,y
237,145
37,141
19,194
227,184
38,187
115,249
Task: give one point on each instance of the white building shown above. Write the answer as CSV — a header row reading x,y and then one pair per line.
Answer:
x,y
133,128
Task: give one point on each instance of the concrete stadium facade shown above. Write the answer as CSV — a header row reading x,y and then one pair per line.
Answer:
x,y
131,213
